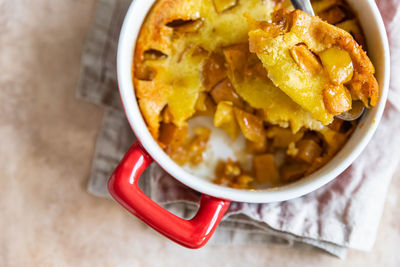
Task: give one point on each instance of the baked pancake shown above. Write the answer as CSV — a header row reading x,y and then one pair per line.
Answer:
x,y
179,38
175,40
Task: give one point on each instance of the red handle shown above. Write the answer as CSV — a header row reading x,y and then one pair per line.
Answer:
x,y
194,233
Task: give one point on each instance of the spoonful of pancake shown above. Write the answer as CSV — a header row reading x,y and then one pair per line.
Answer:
x,y
319,66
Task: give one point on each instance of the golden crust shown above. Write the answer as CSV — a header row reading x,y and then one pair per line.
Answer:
x,y
151,103
155,34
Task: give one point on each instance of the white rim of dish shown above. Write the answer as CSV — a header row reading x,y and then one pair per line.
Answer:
x,y
335,167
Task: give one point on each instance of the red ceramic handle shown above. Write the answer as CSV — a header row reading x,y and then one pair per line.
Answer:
x,y
194,233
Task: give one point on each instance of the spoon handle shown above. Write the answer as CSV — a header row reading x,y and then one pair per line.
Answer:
x,y
303,5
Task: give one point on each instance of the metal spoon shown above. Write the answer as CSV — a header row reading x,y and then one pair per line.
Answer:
x,y
357,108
304,5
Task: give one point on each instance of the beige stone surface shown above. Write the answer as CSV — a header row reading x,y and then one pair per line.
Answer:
x,y
46,142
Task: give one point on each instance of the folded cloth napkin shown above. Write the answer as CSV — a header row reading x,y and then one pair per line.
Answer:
x,y
343,214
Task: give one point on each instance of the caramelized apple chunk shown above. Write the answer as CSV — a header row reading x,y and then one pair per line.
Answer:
x,y
205,106
225,118
236,57
214,71
305,59
224,91
334,140
293,171
201,102
283,137
265,169
256,147
308,151
338,64
252,126
337,99
171,136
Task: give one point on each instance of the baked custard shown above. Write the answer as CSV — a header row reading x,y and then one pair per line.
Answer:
x,y
263,73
